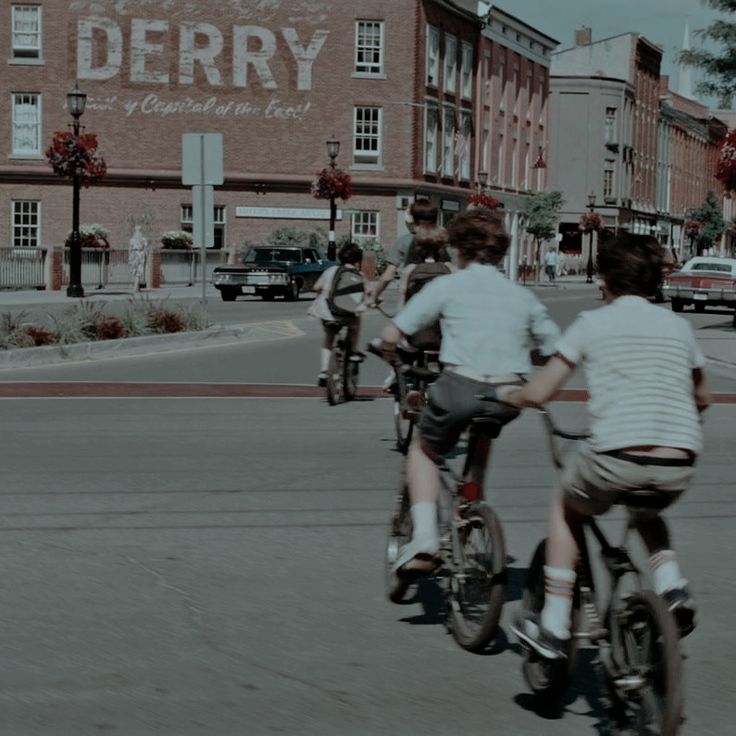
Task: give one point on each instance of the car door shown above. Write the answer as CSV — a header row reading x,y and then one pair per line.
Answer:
x,y
312,268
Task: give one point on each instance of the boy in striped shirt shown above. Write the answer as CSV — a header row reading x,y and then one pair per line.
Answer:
x,y
647,388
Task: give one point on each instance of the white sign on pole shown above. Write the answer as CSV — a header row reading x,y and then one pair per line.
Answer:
x,y
203,215
201,159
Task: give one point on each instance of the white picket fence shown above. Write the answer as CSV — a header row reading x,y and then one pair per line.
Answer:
x,y
22,268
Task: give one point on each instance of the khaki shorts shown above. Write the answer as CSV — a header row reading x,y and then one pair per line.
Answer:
x,y
591,481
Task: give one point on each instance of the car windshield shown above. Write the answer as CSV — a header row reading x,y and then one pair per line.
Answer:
x,y
724,267
265,255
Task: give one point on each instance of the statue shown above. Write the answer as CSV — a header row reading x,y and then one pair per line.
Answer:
x,y
137,258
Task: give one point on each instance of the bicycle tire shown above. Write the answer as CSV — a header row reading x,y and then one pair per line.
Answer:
x,y
547,679
335,375
403,424
400,531
645,646
477,598
350,375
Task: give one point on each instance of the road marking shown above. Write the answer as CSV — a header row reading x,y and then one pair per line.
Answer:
x,y
184,390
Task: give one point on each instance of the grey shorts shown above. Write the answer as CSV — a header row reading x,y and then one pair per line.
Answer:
x,y
451,404
592,480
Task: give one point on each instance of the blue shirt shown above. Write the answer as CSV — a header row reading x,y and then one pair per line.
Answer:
x,y
489,324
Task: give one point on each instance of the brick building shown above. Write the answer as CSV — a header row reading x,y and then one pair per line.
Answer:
x,y
396,81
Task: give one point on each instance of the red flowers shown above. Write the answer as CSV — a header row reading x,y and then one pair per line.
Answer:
x,y
70,155
726,169
483,200
331,183
590,222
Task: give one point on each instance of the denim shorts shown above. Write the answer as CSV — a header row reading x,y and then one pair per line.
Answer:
x,y
451,404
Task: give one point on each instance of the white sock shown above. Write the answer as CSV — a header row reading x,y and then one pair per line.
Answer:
x,y
559,584
324,358
666,571
425,537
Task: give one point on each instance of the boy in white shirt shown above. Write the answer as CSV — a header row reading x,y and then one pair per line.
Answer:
x,y
647,387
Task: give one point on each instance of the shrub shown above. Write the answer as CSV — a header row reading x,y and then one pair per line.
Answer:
x,y
110,328
165,320
373,246
40,335
176,240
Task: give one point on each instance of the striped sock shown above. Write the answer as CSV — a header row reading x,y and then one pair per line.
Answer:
x,y
666,571
559,584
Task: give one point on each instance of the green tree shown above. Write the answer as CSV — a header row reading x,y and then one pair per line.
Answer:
x,y
710,214
542,215
719,66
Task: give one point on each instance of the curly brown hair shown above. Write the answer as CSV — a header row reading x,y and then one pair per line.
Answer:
x,y
430,242
423,212
631,264
479,235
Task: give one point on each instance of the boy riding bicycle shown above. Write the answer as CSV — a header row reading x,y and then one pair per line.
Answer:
x,y
647,386
487,326
350,256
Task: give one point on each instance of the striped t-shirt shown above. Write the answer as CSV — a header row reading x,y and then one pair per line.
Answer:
x,y
638,360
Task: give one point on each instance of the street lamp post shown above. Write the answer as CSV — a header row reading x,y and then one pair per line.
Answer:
x,y
76,101
333,148
589,267
482,181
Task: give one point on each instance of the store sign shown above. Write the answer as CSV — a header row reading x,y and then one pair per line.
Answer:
x,y
286,213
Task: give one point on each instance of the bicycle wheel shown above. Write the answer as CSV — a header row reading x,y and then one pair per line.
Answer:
x,y
400,530
478,580
403,420
646,686
350,376
336,375
547,678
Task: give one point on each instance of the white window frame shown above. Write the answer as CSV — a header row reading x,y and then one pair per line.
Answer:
x,y
32,129
431,137
466,71
610,124
365,46
502,80
31,238
186,219
26,51
433,56
609,178
515,88
365,225
450,65
448,141
463,164
367,136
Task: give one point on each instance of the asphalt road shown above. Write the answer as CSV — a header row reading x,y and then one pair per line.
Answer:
x,y
213,566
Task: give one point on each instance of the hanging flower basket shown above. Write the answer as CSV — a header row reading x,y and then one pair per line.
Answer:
x,y
331,184
69,155
692,228
591,222
726,169
483,200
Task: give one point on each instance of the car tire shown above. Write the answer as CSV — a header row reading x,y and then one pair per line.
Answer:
x,y
228,295
677,305
699,307
267,296
292,292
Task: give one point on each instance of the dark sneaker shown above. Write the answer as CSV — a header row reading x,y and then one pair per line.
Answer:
x,y
526,626
322,379
420,564
681,605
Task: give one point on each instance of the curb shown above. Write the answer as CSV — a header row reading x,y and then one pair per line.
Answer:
x,y
148,344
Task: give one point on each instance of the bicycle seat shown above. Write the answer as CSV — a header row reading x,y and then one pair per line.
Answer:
x,y
489,426
644,498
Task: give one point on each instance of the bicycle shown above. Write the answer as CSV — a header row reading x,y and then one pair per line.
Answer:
x,y
471,562
636,636
342,372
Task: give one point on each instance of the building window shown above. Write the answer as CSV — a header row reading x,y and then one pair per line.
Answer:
x,y
450,63
502,80
609,171
26,124
487,80
26,224
515,88
218,218
525,173
540,101
501,161
26,33
367,135
369,47
448,142
433,56
462,146
364,226
431,126
610,125
515,164
529,92
466,71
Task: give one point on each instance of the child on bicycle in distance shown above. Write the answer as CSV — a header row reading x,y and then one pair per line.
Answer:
x,y
351,256
488,326
646,383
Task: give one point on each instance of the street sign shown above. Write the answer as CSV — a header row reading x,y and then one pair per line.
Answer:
x,y
203,215
201,159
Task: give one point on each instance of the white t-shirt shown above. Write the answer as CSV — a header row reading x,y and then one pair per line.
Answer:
x,y
638,360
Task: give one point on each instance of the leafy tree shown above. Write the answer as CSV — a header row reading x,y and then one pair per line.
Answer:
x,y
711,216
719,67
542,214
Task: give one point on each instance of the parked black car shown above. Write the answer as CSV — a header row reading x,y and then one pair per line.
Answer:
x,y
270,271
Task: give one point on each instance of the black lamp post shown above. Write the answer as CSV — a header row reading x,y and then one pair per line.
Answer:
x,y
333,148
482,181
76,101
589,267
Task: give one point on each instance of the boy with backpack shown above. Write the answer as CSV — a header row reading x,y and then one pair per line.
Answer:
x,y
488,326
647,388
340,300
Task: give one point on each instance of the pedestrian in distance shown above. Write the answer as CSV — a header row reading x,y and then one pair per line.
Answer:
x,y
137,258
550,264
647,388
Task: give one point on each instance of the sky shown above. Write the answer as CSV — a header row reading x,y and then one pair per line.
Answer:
x,y
661,21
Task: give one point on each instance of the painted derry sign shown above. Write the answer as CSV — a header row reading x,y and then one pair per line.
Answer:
x,y
100,57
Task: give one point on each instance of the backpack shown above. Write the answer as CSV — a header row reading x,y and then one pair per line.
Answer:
x,y
428,338
346,292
